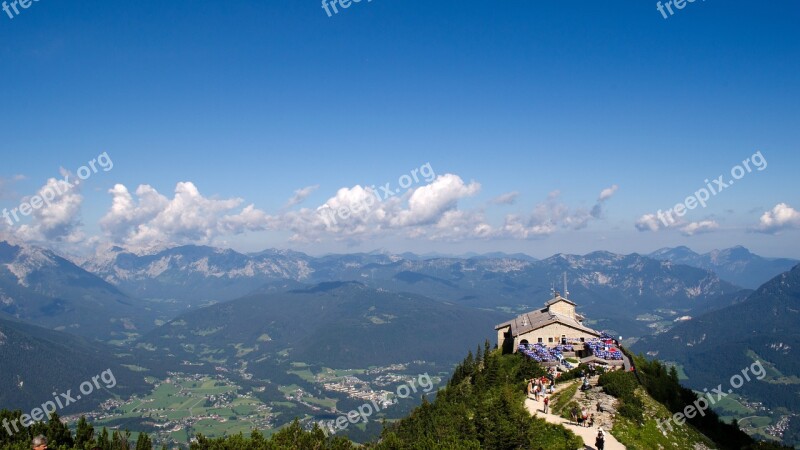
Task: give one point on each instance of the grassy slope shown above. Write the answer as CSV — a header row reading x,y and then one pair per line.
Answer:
x,y
636,436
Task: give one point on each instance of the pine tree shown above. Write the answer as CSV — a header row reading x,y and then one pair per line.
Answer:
x,y
469,365
143,442
84,433
103,442
673,373
120,440
58,433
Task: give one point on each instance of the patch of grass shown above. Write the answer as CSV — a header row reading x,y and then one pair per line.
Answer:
x,y
646,436
565,412
305,374
561,399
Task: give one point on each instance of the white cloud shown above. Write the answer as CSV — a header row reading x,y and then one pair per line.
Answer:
x,y
649,222
126,213
357,213
703,226
426,204
153,220
552,214
781,217
58,219
606,193
506,199
300,195
517,228
147,219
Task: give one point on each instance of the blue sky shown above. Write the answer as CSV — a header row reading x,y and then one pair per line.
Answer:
x,y
255,100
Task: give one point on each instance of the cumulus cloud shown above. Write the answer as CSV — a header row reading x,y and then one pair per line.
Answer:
x,y
703,226
654,222
147,219
517,228
506,199
780,217
359,213
127,213
552,214
300,195
58,217
426,204
151,219
648,222
607,193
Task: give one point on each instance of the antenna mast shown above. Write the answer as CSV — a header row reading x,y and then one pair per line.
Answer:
x,y
566,292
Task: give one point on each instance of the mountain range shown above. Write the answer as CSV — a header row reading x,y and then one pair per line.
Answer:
x,y
615,289
41,287
736,265
765,327
205,309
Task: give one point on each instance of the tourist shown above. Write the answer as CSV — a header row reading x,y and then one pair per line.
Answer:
x,y
591,421
585,416
39,443
546,403
600,441
530,387
574,413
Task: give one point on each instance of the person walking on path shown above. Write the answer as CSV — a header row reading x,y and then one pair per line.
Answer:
x,y
546,403
600,441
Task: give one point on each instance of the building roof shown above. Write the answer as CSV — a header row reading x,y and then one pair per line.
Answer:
x,y
559,298
534,320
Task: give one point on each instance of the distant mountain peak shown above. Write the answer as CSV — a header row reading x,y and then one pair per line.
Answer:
x,y
736,264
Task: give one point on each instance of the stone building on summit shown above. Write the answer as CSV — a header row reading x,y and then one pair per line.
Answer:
x,y
557,323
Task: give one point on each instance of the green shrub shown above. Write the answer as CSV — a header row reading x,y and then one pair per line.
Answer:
x,y
622,385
